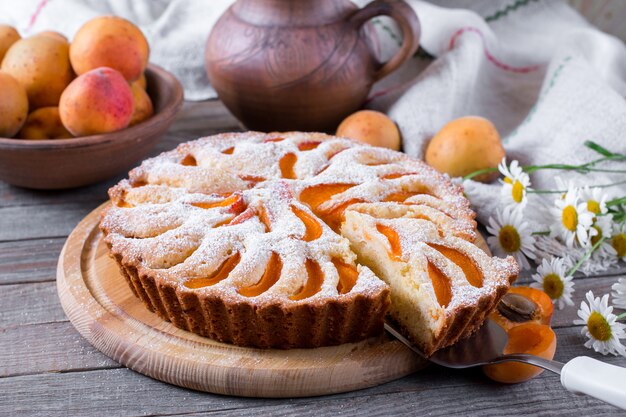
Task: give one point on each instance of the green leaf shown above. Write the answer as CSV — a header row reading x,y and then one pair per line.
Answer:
x,y
599,149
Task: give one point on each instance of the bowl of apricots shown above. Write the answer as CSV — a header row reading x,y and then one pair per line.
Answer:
x,y
74,113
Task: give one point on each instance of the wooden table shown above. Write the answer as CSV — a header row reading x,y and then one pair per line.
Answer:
x,y
48,369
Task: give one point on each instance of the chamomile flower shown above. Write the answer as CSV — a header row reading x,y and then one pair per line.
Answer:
x,y
618,241
619,293
595,199
601,326
573,219
511,236
552,278
515,184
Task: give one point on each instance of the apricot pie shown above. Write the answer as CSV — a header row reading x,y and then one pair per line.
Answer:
x,y
301,240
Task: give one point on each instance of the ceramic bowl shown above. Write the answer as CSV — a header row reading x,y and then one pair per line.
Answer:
x,y
67,163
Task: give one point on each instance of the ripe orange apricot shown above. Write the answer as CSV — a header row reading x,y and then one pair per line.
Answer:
x,y
371,127
522,305
44,123
110,41
142,105
533,338
8,36
465,145
13,105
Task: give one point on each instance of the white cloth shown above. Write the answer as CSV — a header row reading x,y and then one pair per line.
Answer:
x,y
545,77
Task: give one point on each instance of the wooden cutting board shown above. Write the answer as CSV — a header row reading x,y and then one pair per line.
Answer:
x,y
99,303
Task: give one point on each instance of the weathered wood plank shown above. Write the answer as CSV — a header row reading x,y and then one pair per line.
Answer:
x,y
25,304
49,347
35,222
29,260
434,391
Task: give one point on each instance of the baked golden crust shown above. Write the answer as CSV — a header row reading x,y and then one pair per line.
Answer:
x,y
236,236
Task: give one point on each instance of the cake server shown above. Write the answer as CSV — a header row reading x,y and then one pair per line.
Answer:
x,y
581,375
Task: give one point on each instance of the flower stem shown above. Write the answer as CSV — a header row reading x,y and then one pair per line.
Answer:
x,y
586,256
541,233
615,202
621,316
479,172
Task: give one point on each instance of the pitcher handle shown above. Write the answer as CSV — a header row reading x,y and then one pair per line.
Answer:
x,y
405,16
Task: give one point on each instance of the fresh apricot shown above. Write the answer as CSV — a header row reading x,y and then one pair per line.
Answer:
x,y
371,127
44,123
466,145
99,101
142,108
522,305
8,36
13,105
54,34
113,42
532,338
141,81
41,64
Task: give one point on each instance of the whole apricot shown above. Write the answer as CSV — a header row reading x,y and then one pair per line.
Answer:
x,y
13,105
41,64
371,127
113,42
8,36
99,101
142,105
466,145
141,81
44,123
53,34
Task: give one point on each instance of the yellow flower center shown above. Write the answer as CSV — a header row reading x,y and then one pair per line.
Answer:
x,y
570,218
599,328
517,192
619,244
596,238
509,239
593,206
508,180
553,286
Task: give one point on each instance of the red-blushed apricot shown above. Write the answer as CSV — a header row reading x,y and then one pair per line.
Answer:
x,y
41,64
113,42
98,101
466,145
533,338
142,109
371,127
44,123
522,305
8,36
13,105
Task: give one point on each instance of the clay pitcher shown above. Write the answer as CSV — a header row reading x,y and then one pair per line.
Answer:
x,y
283,65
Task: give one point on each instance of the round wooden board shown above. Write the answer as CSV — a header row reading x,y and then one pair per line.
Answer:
x,y
99,303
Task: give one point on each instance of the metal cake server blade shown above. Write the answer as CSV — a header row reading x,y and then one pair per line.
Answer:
x,y
581,375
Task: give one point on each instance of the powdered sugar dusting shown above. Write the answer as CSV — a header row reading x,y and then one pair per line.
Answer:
x,y
183,213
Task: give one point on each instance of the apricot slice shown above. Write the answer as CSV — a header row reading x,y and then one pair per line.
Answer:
x,y
473,275
229,151
286,165
313,283
224,203
393,238
317,194
254,179
533,338
308,146
269,278
348,275
274,140
394,175
263,217
313,230
220,274
441,285
521,305
334,217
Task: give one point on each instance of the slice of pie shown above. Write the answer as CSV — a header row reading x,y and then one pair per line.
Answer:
x,y
293,240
